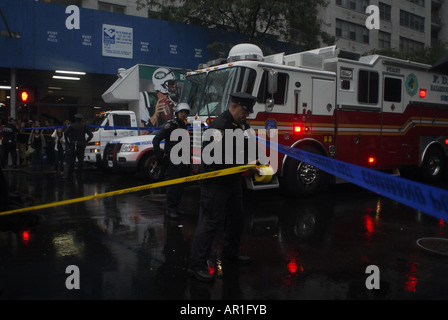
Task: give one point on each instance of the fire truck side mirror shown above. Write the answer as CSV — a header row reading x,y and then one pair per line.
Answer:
x,y
272,81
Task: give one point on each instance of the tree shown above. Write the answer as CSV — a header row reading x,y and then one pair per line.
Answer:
x,y
293,21
428,55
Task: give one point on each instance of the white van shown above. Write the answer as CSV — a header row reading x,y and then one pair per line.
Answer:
x,y
107,126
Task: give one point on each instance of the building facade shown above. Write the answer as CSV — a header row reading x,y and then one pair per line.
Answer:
x,y
405,25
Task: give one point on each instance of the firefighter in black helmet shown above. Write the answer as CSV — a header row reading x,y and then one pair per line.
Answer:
x,y
172,171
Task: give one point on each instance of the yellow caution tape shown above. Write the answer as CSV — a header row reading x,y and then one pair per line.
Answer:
x,y
202,176
264,174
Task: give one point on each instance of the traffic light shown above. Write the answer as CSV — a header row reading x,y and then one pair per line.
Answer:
x,y
25,96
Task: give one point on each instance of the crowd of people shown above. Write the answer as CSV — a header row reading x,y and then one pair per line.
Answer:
x,y
32,144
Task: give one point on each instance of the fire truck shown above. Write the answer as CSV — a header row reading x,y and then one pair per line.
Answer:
x,y
373,111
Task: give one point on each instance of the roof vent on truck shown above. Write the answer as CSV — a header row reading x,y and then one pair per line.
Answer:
x,y
245,51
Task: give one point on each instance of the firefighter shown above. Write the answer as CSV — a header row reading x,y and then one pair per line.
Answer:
x,y
75,137
172,171
222,198
9,144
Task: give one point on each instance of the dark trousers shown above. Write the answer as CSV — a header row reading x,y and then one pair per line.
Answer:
x,y
3,191
221,205
59,160
8,148
75,151
174,192
36,160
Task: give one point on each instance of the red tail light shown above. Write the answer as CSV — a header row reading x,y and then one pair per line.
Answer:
x,y
423,93
25,236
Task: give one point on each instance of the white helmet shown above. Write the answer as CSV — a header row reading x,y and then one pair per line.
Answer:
x,y
182,106
162,78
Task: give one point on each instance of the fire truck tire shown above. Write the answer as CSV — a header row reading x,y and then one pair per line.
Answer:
x,y
433,165
150,169
302,179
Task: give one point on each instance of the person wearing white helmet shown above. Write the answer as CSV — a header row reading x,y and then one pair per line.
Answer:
x,y
157,107
172,171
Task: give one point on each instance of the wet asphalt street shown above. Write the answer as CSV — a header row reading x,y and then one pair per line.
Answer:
x,y
125,247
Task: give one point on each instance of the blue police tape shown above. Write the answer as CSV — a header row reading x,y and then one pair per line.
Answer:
x,y
152,129
428,199
45,128
125,128
95,126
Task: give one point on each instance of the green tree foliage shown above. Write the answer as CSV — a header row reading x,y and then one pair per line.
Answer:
x,y
428,55
294,21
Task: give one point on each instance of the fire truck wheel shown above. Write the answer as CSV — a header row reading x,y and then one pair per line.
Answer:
x,y
433,165
302,179
151,169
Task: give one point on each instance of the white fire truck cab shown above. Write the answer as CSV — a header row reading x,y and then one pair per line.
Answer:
x,y
374,111
107,126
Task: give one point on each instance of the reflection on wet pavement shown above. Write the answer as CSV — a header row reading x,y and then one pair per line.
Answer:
x,y
127,248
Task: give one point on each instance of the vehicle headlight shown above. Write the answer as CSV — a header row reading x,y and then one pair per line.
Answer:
x,y
129,147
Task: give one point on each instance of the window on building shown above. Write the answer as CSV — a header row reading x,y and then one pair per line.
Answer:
x,y
368,85
409,46
418,2
110,7
384,40
412,21
355,5
282,87
385,12
352,31
392,89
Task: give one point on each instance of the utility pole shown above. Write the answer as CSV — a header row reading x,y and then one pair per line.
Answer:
x,y
13,101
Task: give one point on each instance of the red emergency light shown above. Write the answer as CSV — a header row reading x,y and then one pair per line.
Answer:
x,y
25,236
371,160
292,266
297,129
24,96
423,93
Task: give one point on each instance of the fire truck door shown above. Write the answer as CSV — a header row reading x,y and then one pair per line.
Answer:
x,y
324,94
393,148
393,94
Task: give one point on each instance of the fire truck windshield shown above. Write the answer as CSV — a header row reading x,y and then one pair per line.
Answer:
x,y
98,120
208,93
